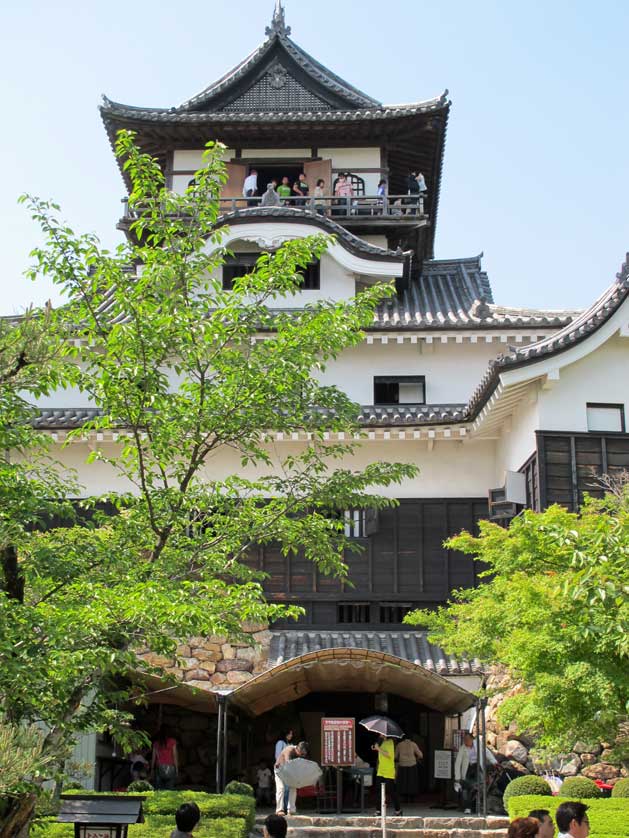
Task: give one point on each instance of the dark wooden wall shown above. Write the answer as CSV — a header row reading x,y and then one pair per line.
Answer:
x,y
403,562
569,464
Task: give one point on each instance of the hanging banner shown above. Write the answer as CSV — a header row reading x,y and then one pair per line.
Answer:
x,y
338,741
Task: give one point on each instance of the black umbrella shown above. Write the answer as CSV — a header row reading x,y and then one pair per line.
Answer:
x,y
383,725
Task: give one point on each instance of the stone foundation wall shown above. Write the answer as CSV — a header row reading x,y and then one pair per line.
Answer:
x,y
211,663
591,761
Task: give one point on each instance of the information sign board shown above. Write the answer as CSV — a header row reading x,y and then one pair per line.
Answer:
x,y
443,765
338,741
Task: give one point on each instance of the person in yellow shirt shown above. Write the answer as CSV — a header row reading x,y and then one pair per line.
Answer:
x,y
385,772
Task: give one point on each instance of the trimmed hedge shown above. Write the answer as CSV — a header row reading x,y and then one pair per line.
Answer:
x,y
222,816
530,784
579,788
608,817
239,788
621,788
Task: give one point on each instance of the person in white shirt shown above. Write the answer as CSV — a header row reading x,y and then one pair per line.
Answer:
x,y
572,820
250,187
264,776
282,742
466,769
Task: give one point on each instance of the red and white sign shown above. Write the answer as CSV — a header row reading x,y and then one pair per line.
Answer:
x,y
338,741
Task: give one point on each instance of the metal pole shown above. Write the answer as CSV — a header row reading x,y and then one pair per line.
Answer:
x,y
219,733
224,746
383,808
483,736
479,764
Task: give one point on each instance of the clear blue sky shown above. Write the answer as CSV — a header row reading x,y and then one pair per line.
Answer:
x,y
536,167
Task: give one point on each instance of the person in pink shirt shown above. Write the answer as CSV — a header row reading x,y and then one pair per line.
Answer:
x,y
165,760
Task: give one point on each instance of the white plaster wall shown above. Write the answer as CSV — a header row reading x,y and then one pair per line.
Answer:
x,y
516,445
598,377
264,153
452,370
352,158
192,159
450,469
379,241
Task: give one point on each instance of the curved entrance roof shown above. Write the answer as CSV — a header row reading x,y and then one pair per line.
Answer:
x,y
349,670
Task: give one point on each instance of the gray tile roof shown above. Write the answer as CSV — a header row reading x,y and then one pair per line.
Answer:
x,y
352,242
118,110
64,418
456,293
412,646
407,414
579,328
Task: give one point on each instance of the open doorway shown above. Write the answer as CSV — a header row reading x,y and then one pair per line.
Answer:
x,y
276,172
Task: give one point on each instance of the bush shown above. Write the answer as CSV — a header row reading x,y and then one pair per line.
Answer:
x,y
621,788
239,788
222,816
608,818
580,788
139,786
531,784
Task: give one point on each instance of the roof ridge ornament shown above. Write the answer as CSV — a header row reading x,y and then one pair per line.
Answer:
x,y
278,24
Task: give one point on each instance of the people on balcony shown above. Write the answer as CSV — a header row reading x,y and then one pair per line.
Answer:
x,y
250,188
319,197
284,190
301,188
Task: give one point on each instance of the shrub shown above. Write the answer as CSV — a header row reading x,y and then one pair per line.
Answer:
x,y
139,786
210,805
47,804
621,788
580,788
72,785
531,784
608,818
239,788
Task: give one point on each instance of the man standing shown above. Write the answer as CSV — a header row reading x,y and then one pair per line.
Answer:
x,y
572,820
289,752
250,187
466,770
547,827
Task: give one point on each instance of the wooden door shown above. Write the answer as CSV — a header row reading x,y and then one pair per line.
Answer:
x,y
236,174
319,169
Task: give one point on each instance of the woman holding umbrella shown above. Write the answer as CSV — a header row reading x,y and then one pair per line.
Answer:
x,y
386,729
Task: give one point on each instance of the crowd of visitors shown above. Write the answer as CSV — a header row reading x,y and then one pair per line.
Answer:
x,y
571,818
298,194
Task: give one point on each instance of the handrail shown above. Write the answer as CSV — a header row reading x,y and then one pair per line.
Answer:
x,y
388,206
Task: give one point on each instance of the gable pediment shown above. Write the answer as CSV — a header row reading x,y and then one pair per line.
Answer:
x,y
277,90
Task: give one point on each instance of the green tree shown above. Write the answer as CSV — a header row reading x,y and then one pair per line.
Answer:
x,y
171,562
554,609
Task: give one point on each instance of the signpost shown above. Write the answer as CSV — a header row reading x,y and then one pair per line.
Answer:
x,y
338,749
338,742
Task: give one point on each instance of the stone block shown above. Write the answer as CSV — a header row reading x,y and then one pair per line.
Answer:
x,y
218,679
197,675
208,666
601,771
188,663
514,749
238,677
183,651
157,660
200,685
587,748
253,628
263,637
249,654
206,655
234,665
228,651
588,759
572,767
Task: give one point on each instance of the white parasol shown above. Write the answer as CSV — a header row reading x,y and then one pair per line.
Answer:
x,y
298,773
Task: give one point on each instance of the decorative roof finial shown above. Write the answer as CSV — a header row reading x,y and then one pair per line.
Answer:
x,y
278,24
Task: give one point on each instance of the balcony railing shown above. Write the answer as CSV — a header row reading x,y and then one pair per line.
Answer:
x,y
401,207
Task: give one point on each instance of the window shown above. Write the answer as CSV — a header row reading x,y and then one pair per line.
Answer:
x,y
353,612
312,276
358,185
394,612
606,417
237,265
241,264
399,389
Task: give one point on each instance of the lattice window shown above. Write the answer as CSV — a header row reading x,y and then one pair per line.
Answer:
x,y
358,185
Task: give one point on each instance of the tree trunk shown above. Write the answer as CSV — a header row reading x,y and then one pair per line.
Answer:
x,y
16,821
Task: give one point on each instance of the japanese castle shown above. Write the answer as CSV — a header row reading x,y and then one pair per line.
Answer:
x,y
501,408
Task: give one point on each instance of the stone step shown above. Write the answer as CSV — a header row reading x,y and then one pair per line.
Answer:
x,y
335,824
394,832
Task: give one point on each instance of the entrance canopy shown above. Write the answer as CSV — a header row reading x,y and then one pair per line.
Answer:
x,y
350,670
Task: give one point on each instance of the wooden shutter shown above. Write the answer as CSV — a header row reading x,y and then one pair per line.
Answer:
x,y
236,172
319,169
